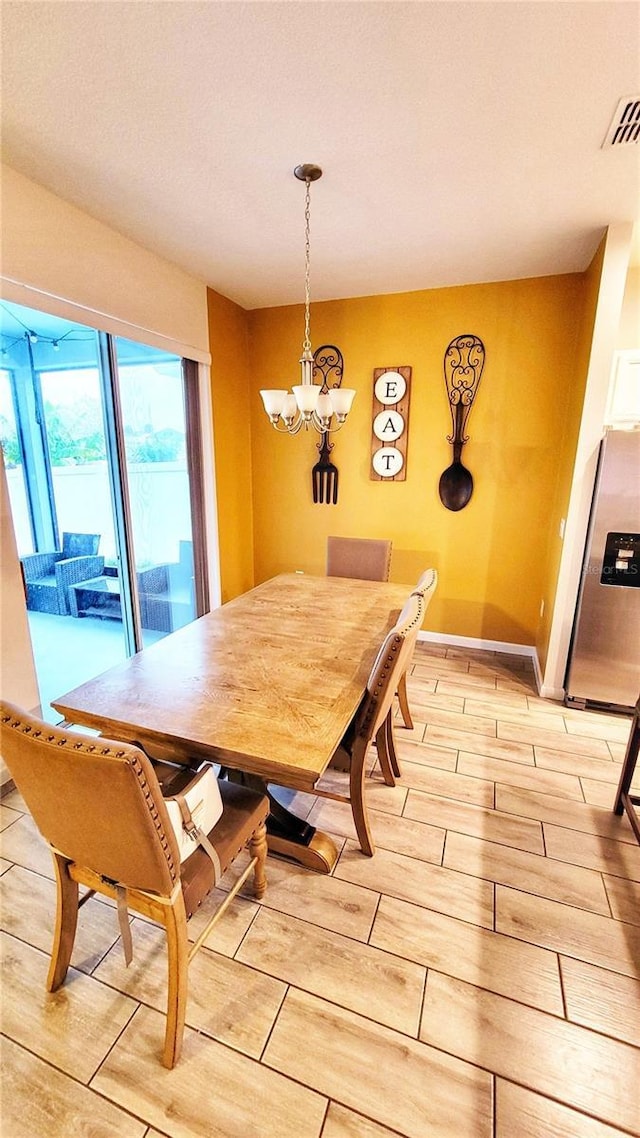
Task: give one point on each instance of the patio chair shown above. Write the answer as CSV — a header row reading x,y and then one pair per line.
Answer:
x,y
48,576
167,596
99,805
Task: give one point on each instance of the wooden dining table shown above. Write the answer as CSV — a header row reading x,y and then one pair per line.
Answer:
x,y
265,685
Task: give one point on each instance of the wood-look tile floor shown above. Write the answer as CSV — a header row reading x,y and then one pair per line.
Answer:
x,y
479,977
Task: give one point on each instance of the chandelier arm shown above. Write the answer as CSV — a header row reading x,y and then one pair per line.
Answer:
x,y
330,430
338,427
280,427
285,430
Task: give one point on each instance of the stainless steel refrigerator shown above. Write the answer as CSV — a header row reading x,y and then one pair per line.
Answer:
x,y
604,658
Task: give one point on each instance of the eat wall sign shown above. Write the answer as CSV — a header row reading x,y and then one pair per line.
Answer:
x,y
390,426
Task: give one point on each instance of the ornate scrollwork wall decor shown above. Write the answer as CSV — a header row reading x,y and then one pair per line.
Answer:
x,y
463,366
328,369
328,366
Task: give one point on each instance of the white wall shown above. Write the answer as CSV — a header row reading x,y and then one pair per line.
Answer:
x,y
58,259
629,330
17,671
603,344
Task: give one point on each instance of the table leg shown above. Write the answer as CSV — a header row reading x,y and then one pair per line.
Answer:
x,y
287,834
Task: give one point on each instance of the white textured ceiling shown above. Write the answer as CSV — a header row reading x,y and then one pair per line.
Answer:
x,y
460,141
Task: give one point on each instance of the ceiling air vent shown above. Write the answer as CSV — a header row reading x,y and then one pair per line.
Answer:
x,y
625,125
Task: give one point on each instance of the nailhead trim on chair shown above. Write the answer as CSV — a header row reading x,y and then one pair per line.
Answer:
x,y
134,762
373,696
393,648
421,589
153,810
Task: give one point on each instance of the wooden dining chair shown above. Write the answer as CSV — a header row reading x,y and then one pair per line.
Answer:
x,y
374,719
365,559
625,799
426,587
99,805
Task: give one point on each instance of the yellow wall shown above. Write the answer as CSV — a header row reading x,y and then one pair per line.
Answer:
x,y
491,555
567,448
232,435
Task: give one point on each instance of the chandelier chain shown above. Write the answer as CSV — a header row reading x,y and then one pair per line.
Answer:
x,y
306,344
311,403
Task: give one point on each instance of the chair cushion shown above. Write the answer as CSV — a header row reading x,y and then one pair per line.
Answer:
x,y
243,811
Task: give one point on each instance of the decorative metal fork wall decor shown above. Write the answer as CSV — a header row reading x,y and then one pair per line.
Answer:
x,y
463,364
328,370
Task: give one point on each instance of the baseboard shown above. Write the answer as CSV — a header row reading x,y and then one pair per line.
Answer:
x,y
483,645
549,692
496,646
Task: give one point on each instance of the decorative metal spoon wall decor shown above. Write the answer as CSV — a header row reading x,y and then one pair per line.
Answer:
x,y
328,368
463,364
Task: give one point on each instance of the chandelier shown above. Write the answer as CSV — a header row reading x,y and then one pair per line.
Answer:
x,y
309,405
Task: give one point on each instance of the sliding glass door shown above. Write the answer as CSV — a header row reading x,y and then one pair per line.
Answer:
x,y
73,431
14,466
153,412
103,481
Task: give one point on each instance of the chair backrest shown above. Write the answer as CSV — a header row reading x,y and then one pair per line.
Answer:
x,y
390,664
80,544
154,580
96,801
367,559
426,586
